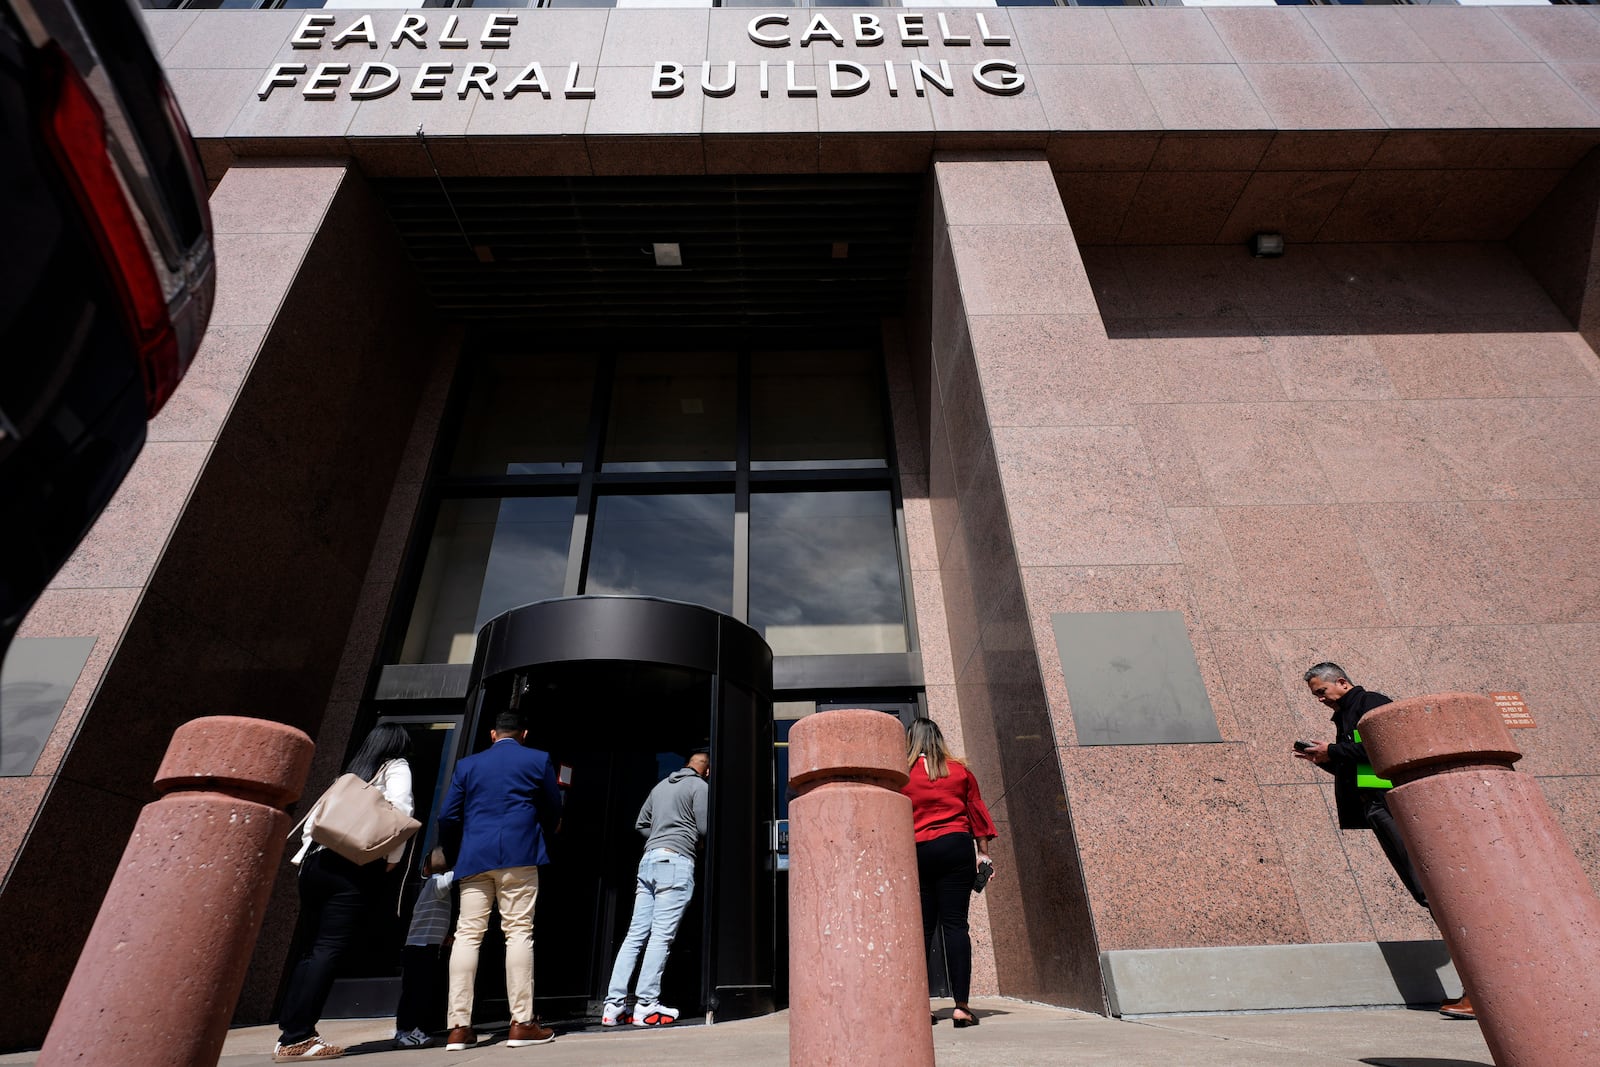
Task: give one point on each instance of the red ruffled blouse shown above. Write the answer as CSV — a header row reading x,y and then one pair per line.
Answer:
x,y
951,805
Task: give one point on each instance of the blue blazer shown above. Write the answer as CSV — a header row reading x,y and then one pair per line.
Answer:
x,y
502,803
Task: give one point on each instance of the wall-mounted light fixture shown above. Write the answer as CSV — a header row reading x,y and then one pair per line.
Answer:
x,y
1266,245
668,254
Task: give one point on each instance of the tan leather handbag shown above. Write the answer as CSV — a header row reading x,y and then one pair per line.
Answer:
x,y
355,820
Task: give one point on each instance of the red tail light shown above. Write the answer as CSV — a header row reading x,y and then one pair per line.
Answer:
x,y
75,130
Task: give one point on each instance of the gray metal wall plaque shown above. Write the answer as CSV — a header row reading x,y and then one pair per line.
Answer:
x,y
37,678
1132,678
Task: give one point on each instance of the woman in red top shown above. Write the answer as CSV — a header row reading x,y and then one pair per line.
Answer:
x,y
949,815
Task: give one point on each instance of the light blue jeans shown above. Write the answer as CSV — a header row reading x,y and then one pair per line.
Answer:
x,y
666,882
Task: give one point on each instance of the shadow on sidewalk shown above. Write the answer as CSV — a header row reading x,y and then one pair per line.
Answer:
x,y
1425,1061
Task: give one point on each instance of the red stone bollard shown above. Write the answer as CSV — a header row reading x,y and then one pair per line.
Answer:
x,y
858,968
160,975
1513,903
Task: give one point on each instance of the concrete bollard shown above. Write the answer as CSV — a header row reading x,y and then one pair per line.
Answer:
x,y
160,975
858,971
1513,903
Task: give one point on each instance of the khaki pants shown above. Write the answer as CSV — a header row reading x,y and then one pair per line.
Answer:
x,y
514,889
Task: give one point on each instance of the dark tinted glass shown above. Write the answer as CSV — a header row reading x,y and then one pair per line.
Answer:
x,y
672,411
486,556
816,409
525,415
676,546
825,573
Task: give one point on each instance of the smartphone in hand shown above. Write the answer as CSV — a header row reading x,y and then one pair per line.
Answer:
x,y
1301,746
981,879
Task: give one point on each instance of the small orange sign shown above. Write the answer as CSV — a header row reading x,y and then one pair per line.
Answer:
x,y
1514,710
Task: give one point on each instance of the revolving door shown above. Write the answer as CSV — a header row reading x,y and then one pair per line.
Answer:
x,y
620,690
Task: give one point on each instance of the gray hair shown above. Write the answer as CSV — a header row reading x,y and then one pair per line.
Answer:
x,y
1328,672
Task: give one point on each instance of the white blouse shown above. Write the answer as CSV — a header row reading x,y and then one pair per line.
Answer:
x,y
394,778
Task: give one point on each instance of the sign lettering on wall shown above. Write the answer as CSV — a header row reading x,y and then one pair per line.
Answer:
x,y
894,74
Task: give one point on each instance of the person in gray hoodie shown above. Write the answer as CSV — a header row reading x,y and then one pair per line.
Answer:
x,y
673,821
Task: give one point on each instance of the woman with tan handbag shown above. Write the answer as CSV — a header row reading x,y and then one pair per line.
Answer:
x,y
334,896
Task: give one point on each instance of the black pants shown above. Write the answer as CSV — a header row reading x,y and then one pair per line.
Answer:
x,y
1382,823
421,1004
945,869
334,897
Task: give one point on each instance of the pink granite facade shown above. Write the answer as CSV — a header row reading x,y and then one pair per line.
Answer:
x,y
232,568
1368,453
1376,449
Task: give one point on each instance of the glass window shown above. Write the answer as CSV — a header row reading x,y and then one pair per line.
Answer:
x,y
825,573
677,546
672,412
36,678
486,556
525,415
815,409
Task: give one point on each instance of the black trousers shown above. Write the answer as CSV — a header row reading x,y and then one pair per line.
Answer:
x,y
421,1004
945,869
1383,824
334,897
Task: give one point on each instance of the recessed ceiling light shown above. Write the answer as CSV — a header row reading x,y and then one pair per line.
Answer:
x,y
1266,245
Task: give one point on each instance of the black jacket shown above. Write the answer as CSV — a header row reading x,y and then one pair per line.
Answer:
x,y
1345,753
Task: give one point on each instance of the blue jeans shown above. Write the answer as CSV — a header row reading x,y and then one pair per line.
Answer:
x,y
666,882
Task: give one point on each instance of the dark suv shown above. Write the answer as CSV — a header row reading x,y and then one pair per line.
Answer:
x,y
106,272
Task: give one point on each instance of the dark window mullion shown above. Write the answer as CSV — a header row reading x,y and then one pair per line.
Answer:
x,y
821,478
509,485
741,497
665,481
897,502
583,513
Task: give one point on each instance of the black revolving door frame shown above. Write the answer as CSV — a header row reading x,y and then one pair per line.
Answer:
x,y
618,636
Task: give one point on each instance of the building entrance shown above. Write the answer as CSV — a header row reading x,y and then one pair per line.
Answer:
x,y
615,729
620,691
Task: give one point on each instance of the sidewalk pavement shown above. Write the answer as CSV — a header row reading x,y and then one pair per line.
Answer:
x,y
1013,1034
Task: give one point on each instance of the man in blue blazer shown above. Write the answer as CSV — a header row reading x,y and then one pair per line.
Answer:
x,y
502,805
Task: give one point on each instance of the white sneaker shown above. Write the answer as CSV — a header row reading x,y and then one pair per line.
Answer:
x,y
615,1015
654,1015
414,1038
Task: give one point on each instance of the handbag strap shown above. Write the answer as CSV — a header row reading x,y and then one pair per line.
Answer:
x,y
371,781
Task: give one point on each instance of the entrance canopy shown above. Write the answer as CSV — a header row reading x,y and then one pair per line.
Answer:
x,y
621,628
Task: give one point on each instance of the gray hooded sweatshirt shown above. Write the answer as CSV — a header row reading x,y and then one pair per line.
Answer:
x,y
674,814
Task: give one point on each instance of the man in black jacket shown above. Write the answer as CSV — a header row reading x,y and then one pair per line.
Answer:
x,y
1362,808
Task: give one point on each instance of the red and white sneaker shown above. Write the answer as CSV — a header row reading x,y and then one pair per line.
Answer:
x,y
615,1015
654,1015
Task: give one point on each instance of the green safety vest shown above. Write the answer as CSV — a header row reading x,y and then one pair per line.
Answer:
x,y
1366,777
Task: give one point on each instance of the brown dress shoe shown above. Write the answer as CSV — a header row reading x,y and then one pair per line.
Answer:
x,y
460,1039
1459,1008
529,1033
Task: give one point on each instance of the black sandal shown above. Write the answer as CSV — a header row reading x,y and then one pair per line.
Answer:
x,y
960,1023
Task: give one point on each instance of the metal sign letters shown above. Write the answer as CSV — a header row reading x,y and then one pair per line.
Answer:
x,y
808,76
